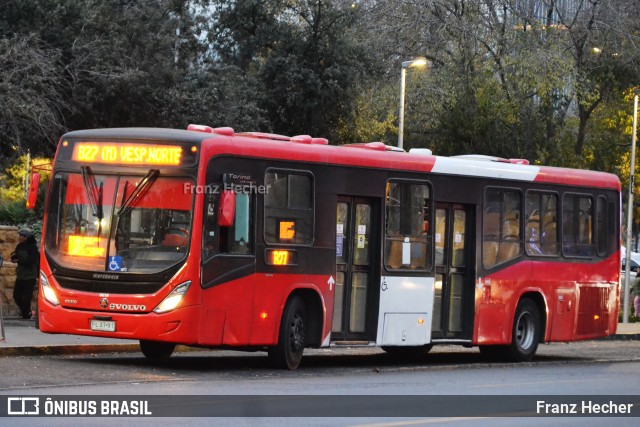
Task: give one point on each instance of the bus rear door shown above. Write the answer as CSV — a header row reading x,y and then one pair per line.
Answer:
x,y
454,287
355,301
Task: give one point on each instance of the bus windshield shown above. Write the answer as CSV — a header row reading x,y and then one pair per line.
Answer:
x,y
124,224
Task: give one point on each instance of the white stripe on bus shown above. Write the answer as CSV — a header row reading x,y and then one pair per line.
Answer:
x,y
485,169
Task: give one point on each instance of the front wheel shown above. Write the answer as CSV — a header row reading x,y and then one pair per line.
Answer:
x,y
156,350
287,354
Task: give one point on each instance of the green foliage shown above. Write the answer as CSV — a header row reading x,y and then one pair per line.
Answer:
x,y
503,81
372,118
12,188
302,55
15,213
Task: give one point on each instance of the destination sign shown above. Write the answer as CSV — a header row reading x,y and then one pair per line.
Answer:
x,y
127,154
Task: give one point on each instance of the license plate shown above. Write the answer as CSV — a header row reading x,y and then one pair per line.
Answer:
x,y
103,325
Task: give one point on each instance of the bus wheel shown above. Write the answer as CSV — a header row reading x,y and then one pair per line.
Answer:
x,y
287,354
525,335
408,352
156,350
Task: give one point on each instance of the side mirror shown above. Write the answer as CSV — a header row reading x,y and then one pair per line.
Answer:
x,y
32,195
227,208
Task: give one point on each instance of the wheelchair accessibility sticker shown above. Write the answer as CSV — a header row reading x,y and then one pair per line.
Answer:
x,y
115,264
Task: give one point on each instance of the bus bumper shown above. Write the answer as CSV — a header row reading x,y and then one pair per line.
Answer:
x,y
179,326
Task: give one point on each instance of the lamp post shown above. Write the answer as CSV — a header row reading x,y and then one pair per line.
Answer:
x,y
625,313
418,62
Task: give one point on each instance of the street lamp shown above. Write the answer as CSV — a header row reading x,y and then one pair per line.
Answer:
x,y
418,62
625,314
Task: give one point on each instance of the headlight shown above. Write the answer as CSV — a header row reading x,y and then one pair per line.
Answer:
x,y
48,293
173,300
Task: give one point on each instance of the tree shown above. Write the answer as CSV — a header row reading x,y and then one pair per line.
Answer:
x,y
509,77
302,55
73,65
30,90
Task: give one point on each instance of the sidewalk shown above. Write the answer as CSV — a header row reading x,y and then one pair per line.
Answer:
x,y
23,339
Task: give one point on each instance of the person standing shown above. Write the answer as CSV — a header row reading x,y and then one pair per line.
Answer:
x,y
27,257
635,292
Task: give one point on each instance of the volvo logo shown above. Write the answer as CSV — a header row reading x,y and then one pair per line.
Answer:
x,y
127,307
104,303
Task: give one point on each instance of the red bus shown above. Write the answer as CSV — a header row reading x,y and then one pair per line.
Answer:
x,y
251,241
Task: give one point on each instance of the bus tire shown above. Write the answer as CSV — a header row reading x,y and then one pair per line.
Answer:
x,y
287,354
156,350
525,334
413,352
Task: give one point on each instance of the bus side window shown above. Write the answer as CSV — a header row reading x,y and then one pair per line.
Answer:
x,y
407,241
236,239
577,225
238,236
289,207
502,237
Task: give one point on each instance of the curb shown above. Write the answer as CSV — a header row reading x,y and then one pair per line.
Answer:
x,y
71,349
56,350
621,337
61,350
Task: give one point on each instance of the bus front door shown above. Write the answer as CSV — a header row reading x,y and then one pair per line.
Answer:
x,y
354,307
454,287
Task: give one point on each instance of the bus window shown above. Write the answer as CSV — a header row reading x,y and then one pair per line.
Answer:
x,y
501,236
577,225
148,234
236,239
407,227
540,224
288,208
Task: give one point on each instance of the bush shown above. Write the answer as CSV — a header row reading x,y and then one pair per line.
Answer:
x,y
16,213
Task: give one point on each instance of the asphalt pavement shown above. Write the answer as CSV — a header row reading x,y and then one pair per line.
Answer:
x,y
22,338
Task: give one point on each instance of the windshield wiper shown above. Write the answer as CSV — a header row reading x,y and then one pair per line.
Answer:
x,y
146,182
93,194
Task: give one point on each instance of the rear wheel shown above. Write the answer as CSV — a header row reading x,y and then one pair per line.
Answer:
x,y
157,350
525,336
287,354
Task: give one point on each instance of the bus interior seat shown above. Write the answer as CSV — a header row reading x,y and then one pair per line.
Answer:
x,y
394,254
174,240
419,253
549,238
489,253
490,245
511,225
509,248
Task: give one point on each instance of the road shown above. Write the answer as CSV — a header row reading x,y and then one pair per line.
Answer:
x,y
604,368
